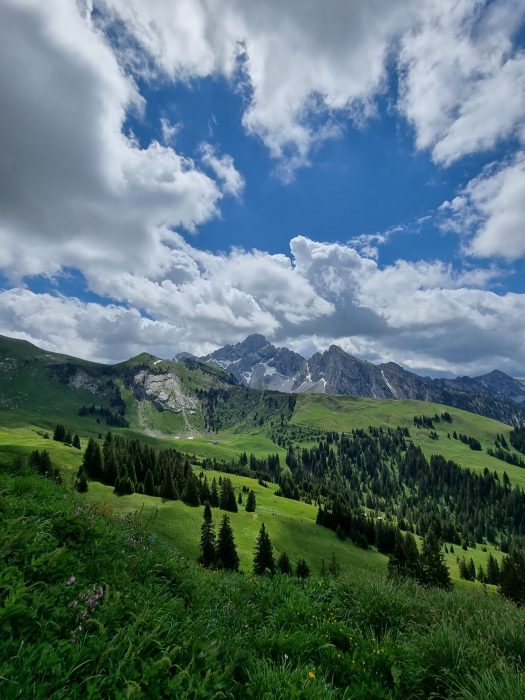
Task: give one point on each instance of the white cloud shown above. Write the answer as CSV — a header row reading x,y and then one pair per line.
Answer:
x,y
224,170
490,211
76,191
419,314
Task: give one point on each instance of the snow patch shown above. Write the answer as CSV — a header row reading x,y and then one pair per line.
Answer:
x,y
394,393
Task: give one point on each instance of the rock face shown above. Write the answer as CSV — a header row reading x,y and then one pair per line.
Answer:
x,y
163,390
258,364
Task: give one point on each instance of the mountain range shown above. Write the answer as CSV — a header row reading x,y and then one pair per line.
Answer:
x,y
258,364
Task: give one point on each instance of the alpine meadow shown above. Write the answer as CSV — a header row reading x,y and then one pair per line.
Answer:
x,y
262,376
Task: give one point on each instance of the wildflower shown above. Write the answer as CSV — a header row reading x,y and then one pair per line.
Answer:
x,y
311,674
71,580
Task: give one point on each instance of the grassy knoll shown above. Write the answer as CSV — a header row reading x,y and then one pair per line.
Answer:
x,y
93,606
345,413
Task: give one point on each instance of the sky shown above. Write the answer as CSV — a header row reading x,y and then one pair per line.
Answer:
x,y
178,174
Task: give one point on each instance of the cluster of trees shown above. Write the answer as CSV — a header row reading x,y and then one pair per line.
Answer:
x,y
61,434
517,438
467,571
428,566
472,442
115,419
506,456
428,422
40,461
131,466
220,551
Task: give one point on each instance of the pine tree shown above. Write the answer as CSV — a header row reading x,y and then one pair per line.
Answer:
x,y
512,577
302,570
284,565
263,562
81,482
76,441
397,562
209,553
214,494
434,571
227,557
333,566
59,433
227,498
149,484
190,494
493,572
250,502
92,461
169,491
239,499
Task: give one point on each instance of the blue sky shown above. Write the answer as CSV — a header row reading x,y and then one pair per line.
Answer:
x,y
178,178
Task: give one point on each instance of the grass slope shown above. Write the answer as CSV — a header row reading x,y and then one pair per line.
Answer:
x,y
345,413
92,606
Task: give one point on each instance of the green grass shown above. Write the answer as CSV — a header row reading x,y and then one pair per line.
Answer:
x,y
162,627
345,413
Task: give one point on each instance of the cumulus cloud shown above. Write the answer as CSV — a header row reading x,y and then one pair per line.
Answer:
x,y
76,191
490,211
419,314
224,169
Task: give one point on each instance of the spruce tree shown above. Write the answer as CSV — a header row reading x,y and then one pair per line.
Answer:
x,y
434,571
227,557
59,433
250,502
263,562
333,566
92,461
169,491
149,484
227,498
209,553
493,572
214,494
190,494
81,482
512,577
284,565
302,570
76,441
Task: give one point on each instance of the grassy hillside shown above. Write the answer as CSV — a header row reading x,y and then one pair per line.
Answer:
x,y
94,606
345,413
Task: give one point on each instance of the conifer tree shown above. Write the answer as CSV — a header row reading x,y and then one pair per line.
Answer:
x,y
239,499
92,461
434,571
76,441
169,491
208,549
227,557
59,433
190,494
333,566
227,497
512,577
81,482
250,502
284,565
214,494
302,570
149,484
493,572
263,562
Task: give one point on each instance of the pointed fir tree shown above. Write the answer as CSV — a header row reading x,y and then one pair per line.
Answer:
x,y
227,557
149,484
250,502
434,571
333,566
512,577
81,482
92,461
59,433
263,562
76,441
284,565
169,491
208,549
214,494
190,494
493,572
227,499
302,570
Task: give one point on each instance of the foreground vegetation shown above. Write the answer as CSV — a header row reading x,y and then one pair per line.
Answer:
x,y
94,605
